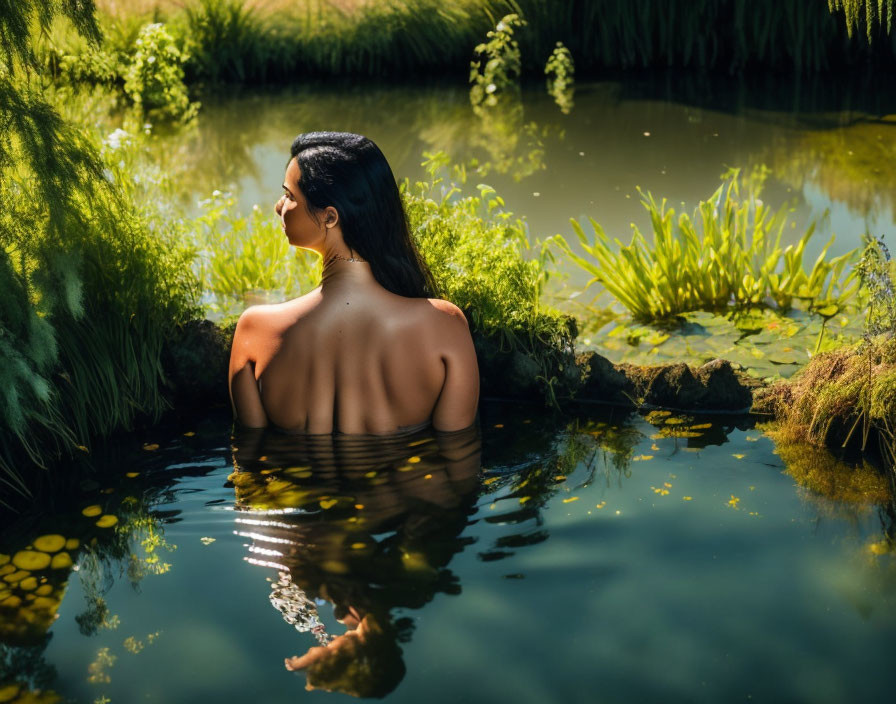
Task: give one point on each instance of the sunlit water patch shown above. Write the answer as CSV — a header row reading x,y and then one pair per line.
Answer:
x,y
613,557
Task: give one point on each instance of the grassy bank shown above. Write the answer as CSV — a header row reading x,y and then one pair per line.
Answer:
x,y
245,42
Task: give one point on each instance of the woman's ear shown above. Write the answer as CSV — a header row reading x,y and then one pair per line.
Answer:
x,y
331,217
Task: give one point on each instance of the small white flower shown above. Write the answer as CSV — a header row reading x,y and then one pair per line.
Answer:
x,y
501,26
151,60
216,193
491,88
109,175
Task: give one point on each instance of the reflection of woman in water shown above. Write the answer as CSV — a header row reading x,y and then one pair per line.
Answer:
x,y
367,524
369,350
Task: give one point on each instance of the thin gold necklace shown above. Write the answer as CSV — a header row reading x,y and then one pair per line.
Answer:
x,y
345,259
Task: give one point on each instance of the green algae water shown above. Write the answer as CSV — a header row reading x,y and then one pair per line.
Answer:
x,y
602,557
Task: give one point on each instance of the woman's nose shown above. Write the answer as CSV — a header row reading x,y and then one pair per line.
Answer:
x,y
278,205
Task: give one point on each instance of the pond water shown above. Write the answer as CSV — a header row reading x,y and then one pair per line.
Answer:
x,y
606,556
830,145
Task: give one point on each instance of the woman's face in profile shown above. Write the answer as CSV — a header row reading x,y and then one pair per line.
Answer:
x,y
300,228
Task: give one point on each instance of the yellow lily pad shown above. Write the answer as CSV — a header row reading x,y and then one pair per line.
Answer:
x,y
61,561
91,511
107,521
4,559
72,544
31,560
44,590
49,543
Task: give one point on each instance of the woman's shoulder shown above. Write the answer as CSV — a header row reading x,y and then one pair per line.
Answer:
x,y
446,310
278,314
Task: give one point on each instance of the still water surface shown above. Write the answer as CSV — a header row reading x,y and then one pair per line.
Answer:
x,y
830,145
595,558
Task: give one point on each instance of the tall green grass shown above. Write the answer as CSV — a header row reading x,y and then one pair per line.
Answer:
x,y
233,41
727,254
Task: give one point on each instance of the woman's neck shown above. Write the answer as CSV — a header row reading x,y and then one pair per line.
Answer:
x,y
340,274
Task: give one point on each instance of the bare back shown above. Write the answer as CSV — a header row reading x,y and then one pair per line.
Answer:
x,y
354,363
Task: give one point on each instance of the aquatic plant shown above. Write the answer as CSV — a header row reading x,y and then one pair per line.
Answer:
x,y
726,254
560,70
495,68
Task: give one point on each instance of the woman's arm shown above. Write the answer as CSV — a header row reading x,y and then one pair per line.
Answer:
x,y
459,399
244,396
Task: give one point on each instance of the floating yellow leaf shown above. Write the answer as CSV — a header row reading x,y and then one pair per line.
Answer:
x,y
406,468
30,560
667,485
49,543
107,520
752,488
660,490
702,426
642,457
82,448
751,438
413,460
17,576
654,447
571,498
359,546
733,501
499,425
43,590
674,421
359,506
131,475
370,475
92,511
206,540
419,442
28,584
151,446
880,548
738,455
687,498
560,478
524,499
189,434
328,503
601,504
490,480
427,476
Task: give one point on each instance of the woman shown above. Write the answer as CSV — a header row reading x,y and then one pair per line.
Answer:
x,y
369,350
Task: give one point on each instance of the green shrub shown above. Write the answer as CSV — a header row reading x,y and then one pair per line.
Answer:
x,y
560,70
155,76
481,259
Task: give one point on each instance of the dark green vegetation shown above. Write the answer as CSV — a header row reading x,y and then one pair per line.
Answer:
x,y
232,41
92,288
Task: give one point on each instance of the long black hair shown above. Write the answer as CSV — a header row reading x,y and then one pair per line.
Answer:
x,y
350,173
